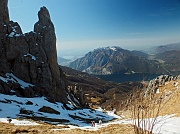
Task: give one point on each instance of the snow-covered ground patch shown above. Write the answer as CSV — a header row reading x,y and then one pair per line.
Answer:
x,y
164,125
13,107
10,77
168,124
19,122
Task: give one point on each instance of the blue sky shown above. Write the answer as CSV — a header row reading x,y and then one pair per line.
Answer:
x,y
83,25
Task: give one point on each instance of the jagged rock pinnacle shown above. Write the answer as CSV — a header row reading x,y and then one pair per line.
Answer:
x,y
44,15
45,28
30,57
4,13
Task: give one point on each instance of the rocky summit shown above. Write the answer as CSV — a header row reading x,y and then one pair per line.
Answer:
x,y
28,61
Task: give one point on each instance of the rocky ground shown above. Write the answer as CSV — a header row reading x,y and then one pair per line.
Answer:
x,y
171,96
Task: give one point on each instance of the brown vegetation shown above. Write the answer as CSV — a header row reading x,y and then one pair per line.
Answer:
x,y
48,129
146,104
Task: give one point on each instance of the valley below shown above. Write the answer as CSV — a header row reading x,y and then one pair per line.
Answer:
x,y
134,77
109,90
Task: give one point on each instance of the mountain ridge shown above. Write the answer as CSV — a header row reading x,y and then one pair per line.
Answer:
x,y
162,48
115,60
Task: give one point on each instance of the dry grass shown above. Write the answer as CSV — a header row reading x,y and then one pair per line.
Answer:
x,y
111,129
47,129
170,100
143,105
172,92
6,128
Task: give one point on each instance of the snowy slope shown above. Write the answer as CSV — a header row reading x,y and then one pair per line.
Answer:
x,y
10,106
19,122
12,78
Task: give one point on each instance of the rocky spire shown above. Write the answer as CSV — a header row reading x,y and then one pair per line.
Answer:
x,y
4,13
30,57
45,28
44,16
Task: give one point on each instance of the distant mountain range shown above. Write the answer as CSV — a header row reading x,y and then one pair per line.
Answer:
x,y
115,60
62,61
163,48
171,60
169,56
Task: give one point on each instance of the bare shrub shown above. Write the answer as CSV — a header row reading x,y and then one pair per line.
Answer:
x,y
145,108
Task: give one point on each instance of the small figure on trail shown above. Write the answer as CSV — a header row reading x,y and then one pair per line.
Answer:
x,y
100,122
93,123
9,120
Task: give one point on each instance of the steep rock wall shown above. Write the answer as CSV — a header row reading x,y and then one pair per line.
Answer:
x,y
28,62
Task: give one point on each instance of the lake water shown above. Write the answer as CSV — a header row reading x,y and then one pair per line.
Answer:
x,y
127,77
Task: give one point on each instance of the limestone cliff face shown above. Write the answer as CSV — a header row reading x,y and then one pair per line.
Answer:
x,y
28,62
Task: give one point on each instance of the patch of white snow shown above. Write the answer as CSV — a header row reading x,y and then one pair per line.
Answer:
x,y
32,57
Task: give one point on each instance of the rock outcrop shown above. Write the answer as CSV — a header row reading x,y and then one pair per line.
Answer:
x,y
160,81
28,62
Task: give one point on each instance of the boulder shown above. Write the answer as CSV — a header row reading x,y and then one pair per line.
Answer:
x,y
47,109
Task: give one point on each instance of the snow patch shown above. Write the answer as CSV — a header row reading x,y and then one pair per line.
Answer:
x,y
71,101
19,122
105,71
14,33
11,106
32,57
113,48
12,78
11,34
168,124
